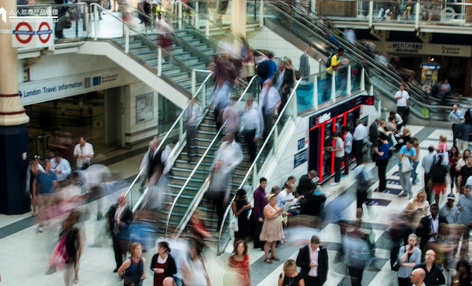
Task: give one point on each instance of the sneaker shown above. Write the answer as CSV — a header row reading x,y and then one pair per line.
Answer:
x,y
334,184
40,229
402,194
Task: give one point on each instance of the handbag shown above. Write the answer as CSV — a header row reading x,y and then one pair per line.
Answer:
x,y
396,265
59,257
233,225
406,165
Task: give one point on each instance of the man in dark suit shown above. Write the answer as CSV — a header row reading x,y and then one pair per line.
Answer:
x,y
119,218
306,183
431,229
313,261
374,133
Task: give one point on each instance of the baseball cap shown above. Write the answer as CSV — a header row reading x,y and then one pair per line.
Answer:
x,y
451,197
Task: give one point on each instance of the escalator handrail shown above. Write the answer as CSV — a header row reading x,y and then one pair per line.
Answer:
x,y
171,129
198,165
248,173
351,48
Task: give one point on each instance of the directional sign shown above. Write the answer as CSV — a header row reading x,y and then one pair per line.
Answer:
x,y
24,32
44,32
33,34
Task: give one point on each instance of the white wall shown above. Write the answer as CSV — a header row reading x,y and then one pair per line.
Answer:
x,y
266,39
131,126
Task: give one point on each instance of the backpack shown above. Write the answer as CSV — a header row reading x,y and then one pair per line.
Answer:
x,y
262,69
438,173
328,61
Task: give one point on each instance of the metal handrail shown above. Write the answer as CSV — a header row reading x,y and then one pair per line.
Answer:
x,y
199,163
177,121
248,173
353,51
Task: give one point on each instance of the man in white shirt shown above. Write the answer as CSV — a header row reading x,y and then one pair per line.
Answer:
x,y
227,158
456,116
286,197
61,167
403,99
313,262
338,157
191,118
251,127
269,102
360,133
84,154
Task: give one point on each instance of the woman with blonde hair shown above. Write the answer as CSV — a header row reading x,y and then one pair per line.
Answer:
x,y
418,205
290,275
132,270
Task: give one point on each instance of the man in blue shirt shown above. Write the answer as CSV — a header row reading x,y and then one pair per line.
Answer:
x,y
409,152
43,188
271,68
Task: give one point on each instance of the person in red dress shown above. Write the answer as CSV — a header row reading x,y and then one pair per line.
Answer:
x,y
239,261
163,264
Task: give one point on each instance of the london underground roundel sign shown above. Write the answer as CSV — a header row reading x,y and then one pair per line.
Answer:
x,y
23,35
44,32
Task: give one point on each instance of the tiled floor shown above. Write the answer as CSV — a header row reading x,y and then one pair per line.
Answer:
x,y
25,252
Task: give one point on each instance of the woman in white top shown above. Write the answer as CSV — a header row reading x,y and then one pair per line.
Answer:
x,y
193,269
418,205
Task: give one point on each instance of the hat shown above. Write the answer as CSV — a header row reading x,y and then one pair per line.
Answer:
x,y
451,197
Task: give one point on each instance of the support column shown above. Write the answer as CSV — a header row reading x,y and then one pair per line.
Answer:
x,y
13,132
238,17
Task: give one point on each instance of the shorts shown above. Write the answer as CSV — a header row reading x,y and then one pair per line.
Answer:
x,y
44,200
439,188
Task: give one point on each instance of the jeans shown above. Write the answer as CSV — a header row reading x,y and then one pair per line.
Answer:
x,y
414,175
337,168
405,182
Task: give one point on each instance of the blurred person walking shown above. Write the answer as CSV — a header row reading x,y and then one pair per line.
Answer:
x,y
465,219
132,270
231,117
416,161
454,157
450,211
269,102
465,174
119,217
194,272
313,262
73,244
157,161
192,116
227,158
462,135
427,163
84,154
438,178
252,125
219,99
44,185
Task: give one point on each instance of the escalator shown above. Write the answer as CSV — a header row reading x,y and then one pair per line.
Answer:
x,y
309,30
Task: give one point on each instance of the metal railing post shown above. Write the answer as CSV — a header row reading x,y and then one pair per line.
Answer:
x,y
254,175
295,107
159,61
315,93
417,15
180,15
362,84
95,22
181,129
276,139
87,20
379,107
194,81
207,28
197,10
371,90
348,87
333,87
126,39
371,13
261,14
